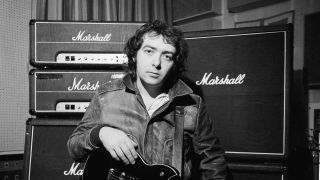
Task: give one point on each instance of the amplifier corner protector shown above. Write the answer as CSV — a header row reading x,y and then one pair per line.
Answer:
x,y
32,111
32,22
32,72
33,62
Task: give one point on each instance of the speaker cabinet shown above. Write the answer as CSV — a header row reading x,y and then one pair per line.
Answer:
x,y
46,154
311,49
244,171
244,76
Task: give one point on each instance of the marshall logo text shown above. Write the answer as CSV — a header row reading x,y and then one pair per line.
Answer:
x,y
79,86
89,37
74,171
207,80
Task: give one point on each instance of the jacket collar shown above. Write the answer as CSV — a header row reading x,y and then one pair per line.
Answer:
x,y
178,89
127,81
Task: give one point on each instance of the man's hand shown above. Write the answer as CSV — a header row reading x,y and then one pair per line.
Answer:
x,y
118,144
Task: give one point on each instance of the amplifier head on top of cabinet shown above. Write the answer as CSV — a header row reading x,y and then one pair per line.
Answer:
x,y
75,44
65,91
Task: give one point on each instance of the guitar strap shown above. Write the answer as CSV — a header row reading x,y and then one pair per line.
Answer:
x,y
178,139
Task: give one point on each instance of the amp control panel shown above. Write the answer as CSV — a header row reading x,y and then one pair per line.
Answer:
x,y
92,58
72,106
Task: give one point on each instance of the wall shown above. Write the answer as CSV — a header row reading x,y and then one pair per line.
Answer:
x,y
14,85
225,19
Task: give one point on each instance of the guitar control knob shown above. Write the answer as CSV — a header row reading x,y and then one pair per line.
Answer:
x,y
161,174
110,173
122,176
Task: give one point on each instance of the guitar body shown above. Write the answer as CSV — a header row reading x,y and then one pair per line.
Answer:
x,y
101,166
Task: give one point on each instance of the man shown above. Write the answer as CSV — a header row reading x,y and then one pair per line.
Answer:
x,y
137,114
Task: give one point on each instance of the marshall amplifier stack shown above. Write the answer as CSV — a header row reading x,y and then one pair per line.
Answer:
x,y
71,60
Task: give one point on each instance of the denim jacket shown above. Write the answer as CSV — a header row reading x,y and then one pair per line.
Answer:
x,y
118,104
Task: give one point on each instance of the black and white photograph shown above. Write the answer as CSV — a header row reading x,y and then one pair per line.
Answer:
x,y
159,90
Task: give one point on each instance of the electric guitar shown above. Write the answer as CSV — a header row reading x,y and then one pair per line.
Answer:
x,y
101,166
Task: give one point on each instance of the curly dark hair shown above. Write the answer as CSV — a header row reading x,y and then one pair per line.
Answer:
x,y
172,36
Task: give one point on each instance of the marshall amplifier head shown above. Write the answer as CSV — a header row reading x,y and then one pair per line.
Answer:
x,y
46,154
75,44
64,91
